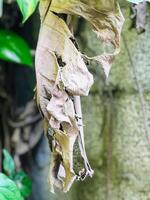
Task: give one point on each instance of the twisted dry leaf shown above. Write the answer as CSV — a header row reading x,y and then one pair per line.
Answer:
x,y
61,73
62,77
105,18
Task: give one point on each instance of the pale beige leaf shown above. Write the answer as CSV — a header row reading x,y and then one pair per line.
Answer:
x,y
62,77
104,16
55,38
61,73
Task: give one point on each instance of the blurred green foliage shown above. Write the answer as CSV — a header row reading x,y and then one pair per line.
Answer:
x,y
14,48
8,164
27,7
8,189
13,185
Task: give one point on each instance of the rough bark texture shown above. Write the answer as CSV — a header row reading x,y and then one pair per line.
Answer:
x,y
116,134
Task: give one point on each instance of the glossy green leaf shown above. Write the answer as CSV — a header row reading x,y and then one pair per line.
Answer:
x,y
13,48
27,7
23,183
8,189
137,1
8,164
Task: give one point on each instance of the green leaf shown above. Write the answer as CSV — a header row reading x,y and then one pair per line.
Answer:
x,y
137,1
8,189
8,164
27,7
13,48
23,183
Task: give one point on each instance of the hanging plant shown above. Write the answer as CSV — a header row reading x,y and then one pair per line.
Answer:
x,y
62,76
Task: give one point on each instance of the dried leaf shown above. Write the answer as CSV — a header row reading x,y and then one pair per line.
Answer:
x,y
105,18
140,15
55,38
66,142
61,73
62,77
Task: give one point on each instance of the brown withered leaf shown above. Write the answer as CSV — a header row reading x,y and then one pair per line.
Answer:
x,y
56,106
62,77
61,73
105,18
66,142
72,73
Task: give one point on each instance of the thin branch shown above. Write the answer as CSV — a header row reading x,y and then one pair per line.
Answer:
x,y
78,110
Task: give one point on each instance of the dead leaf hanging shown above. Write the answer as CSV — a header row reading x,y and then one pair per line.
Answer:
x,y
61,73
62,77
105,18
